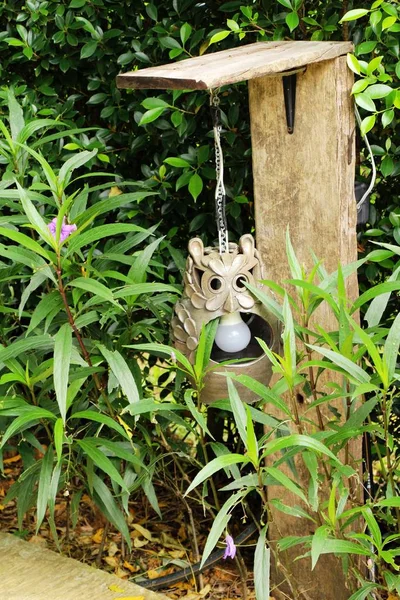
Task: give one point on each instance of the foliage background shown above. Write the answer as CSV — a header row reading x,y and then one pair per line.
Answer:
x,y
61,59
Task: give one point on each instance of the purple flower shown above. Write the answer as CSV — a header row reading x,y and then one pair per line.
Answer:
x,y
230,547
66,230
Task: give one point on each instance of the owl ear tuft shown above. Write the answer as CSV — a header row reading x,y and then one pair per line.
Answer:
x,y
196,250
247,246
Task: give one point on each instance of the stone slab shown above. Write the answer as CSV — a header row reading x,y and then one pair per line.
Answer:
x,y
30,572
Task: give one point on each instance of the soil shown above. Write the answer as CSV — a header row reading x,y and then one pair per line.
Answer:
x,y
159,546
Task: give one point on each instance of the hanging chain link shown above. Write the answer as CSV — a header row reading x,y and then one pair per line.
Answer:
x,y
220,196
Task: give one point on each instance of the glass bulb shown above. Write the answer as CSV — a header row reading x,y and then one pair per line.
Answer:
x,y
233,334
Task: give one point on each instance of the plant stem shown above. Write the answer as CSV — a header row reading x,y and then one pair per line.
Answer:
x,y
78,336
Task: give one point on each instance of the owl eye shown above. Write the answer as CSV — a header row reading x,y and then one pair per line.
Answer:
x,y
215,283
239,283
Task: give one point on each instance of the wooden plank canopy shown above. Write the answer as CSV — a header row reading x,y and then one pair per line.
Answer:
x,y
232,66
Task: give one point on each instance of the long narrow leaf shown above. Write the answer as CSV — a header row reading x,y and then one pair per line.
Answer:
x,y
122,373
262,560
62,360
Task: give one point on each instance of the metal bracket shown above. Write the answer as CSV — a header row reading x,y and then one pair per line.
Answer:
x,y
289,94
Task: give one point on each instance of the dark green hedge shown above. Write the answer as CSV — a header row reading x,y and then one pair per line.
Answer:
x,y
63,57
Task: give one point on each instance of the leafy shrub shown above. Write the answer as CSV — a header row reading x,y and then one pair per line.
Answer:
x,y
85,290
63,58
325,366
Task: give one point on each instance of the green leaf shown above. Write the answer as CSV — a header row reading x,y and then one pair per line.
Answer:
x,y
100,460
107,504
389,502
219,524
335,546
294,264
198,417
373,526
262,561
377,290
195,185
44,307
185,32
391,348
16,114
292,20
357,13
38,342
347,365
150,103
262,391
58,435
388,22
177,162
34,414
213,466
353,64
118,449
387,117
74,162
62,360
44,486
364,591
89,49
99,233
286,4
122,373
93,286
289,342
288,483
318,542
378,90
239,411
136,289
151,115
164,350
218,37
365,102
367,124
91,415
304,441
34,217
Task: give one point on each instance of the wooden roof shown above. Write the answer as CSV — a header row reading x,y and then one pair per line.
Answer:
x,y
231,66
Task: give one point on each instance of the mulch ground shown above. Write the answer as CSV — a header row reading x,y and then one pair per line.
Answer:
x,y
159,547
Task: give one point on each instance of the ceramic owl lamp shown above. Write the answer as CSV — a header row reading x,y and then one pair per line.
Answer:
x,y
215,287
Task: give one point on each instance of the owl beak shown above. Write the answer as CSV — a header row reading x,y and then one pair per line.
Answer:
x,y
230,304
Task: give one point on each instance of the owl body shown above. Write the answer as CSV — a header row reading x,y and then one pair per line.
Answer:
x,y
215,285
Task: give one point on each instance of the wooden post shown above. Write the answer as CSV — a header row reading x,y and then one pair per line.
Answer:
x,y
303,180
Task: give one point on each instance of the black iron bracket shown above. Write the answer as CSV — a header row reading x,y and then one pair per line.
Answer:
x,y
289,94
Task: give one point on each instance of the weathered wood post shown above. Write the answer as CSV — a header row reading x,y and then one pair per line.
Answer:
x,y
304,180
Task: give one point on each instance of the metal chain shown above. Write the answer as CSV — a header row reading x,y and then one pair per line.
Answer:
x,y
220,196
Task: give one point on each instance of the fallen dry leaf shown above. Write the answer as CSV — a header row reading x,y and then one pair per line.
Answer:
x,y
139,542
131,568
12,459
143,531
98,536
112,549
115,191
112,561
206,590
153,574
121,573
130,598
115,588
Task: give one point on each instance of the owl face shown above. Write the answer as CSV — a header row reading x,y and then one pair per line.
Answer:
x,y
217,282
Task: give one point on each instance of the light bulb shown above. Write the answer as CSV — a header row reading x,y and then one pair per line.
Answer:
x,y
233,334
